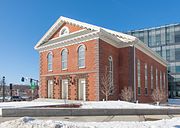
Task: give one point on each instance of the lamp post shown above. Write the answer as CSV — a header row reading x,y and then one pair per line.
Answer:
x,y
3,84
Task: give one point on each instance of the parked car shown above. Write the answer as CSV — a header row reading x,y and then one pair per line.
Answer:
x,y
16,98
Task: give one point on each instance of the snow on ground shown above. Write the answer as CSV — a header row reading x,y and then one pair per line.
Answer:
x,y
86,104
27,122
174,101
117,104
23,104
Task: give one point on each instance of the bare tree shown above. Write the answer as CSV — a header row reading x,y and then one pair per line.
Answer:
x,y
126,94
158,95
106,84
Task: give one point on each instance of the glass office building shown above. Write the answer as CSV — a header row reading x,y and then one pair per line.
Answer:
x,y
165,40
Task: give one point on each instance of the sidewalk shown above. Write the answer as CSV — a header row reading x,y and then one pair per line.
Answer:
x,y
100,118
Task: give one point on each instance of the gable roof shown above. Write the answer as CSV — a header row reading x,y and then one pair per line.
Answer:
x,y
121,36
119,39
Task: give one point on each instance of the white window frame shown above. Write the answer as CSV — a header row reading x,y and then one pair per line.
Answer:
x,y
164,80
65,28
139,76
160,80
50,62
146,79
82,58
152,78
110,59
64,51
62,88
157,78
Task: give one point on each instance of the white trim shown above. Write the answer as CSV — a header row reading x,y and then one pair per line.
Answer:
x,y
84,88
62,89
62,19
68,34
65,28
66,44
64,50
117,39
75,39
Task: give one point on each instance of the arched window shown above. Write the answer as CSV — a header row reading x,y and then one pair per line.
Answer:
x,y
111,72
64,59
49,61
81,56
64,31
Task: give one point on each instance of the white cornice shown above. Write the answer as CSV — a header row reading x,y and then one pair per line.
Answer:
x,y
71,41
61,20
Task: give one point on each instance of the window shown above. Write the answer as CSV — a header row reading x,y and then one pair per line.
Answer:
x,y
158,39
177,69
150,40
64,31
64,59
111,73
146,79
141,38
139,76
177,54
156,78
164,80
159,52
50,90
81,56
167,54
49,59
152,78
160,80
177,36
167,37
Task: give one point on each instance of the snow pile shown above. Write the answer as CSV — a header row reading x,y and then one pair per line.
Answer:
x,y
28,122
174,101
117,105
23,104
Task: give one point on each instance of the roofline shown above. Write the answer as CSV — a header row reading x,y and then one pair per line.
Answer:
x,y
142,45
62,19
152,28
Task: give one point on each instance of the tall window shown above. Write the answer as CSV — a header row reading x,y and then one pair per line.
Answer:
x,y
152,78
139,76
111,72
49,59
146,80
164,81
81,56
156,78
64,59
160,80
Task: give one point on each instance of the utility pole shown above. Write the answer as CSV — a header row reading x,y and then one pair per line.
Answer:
x,y
3,84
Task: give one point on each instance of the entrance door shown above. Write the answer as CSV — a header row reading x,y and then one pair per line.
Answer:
x,y
50,89
82,89
65,89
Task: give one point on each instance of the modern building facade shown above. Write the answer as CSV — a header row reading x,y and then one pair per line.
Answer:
x,y
74,56
165,40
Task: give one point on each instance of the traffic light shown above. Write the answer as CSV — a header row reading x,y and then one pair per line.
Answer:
x,y
22,79
31,80
10,86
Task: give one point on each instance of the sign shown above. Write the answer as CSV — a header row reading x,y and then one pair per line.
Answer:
x,y
33,85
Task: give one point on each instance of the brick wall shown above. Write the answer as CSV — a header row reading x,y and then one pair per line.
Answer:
x,y
106,50
72,71
145,59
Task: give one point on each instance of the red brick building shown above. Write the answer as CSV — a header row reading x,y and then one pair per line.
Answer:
x,y
73,57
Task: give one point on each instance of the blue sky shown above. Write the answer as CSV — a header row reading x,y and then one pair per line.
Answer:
x,y
23,23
